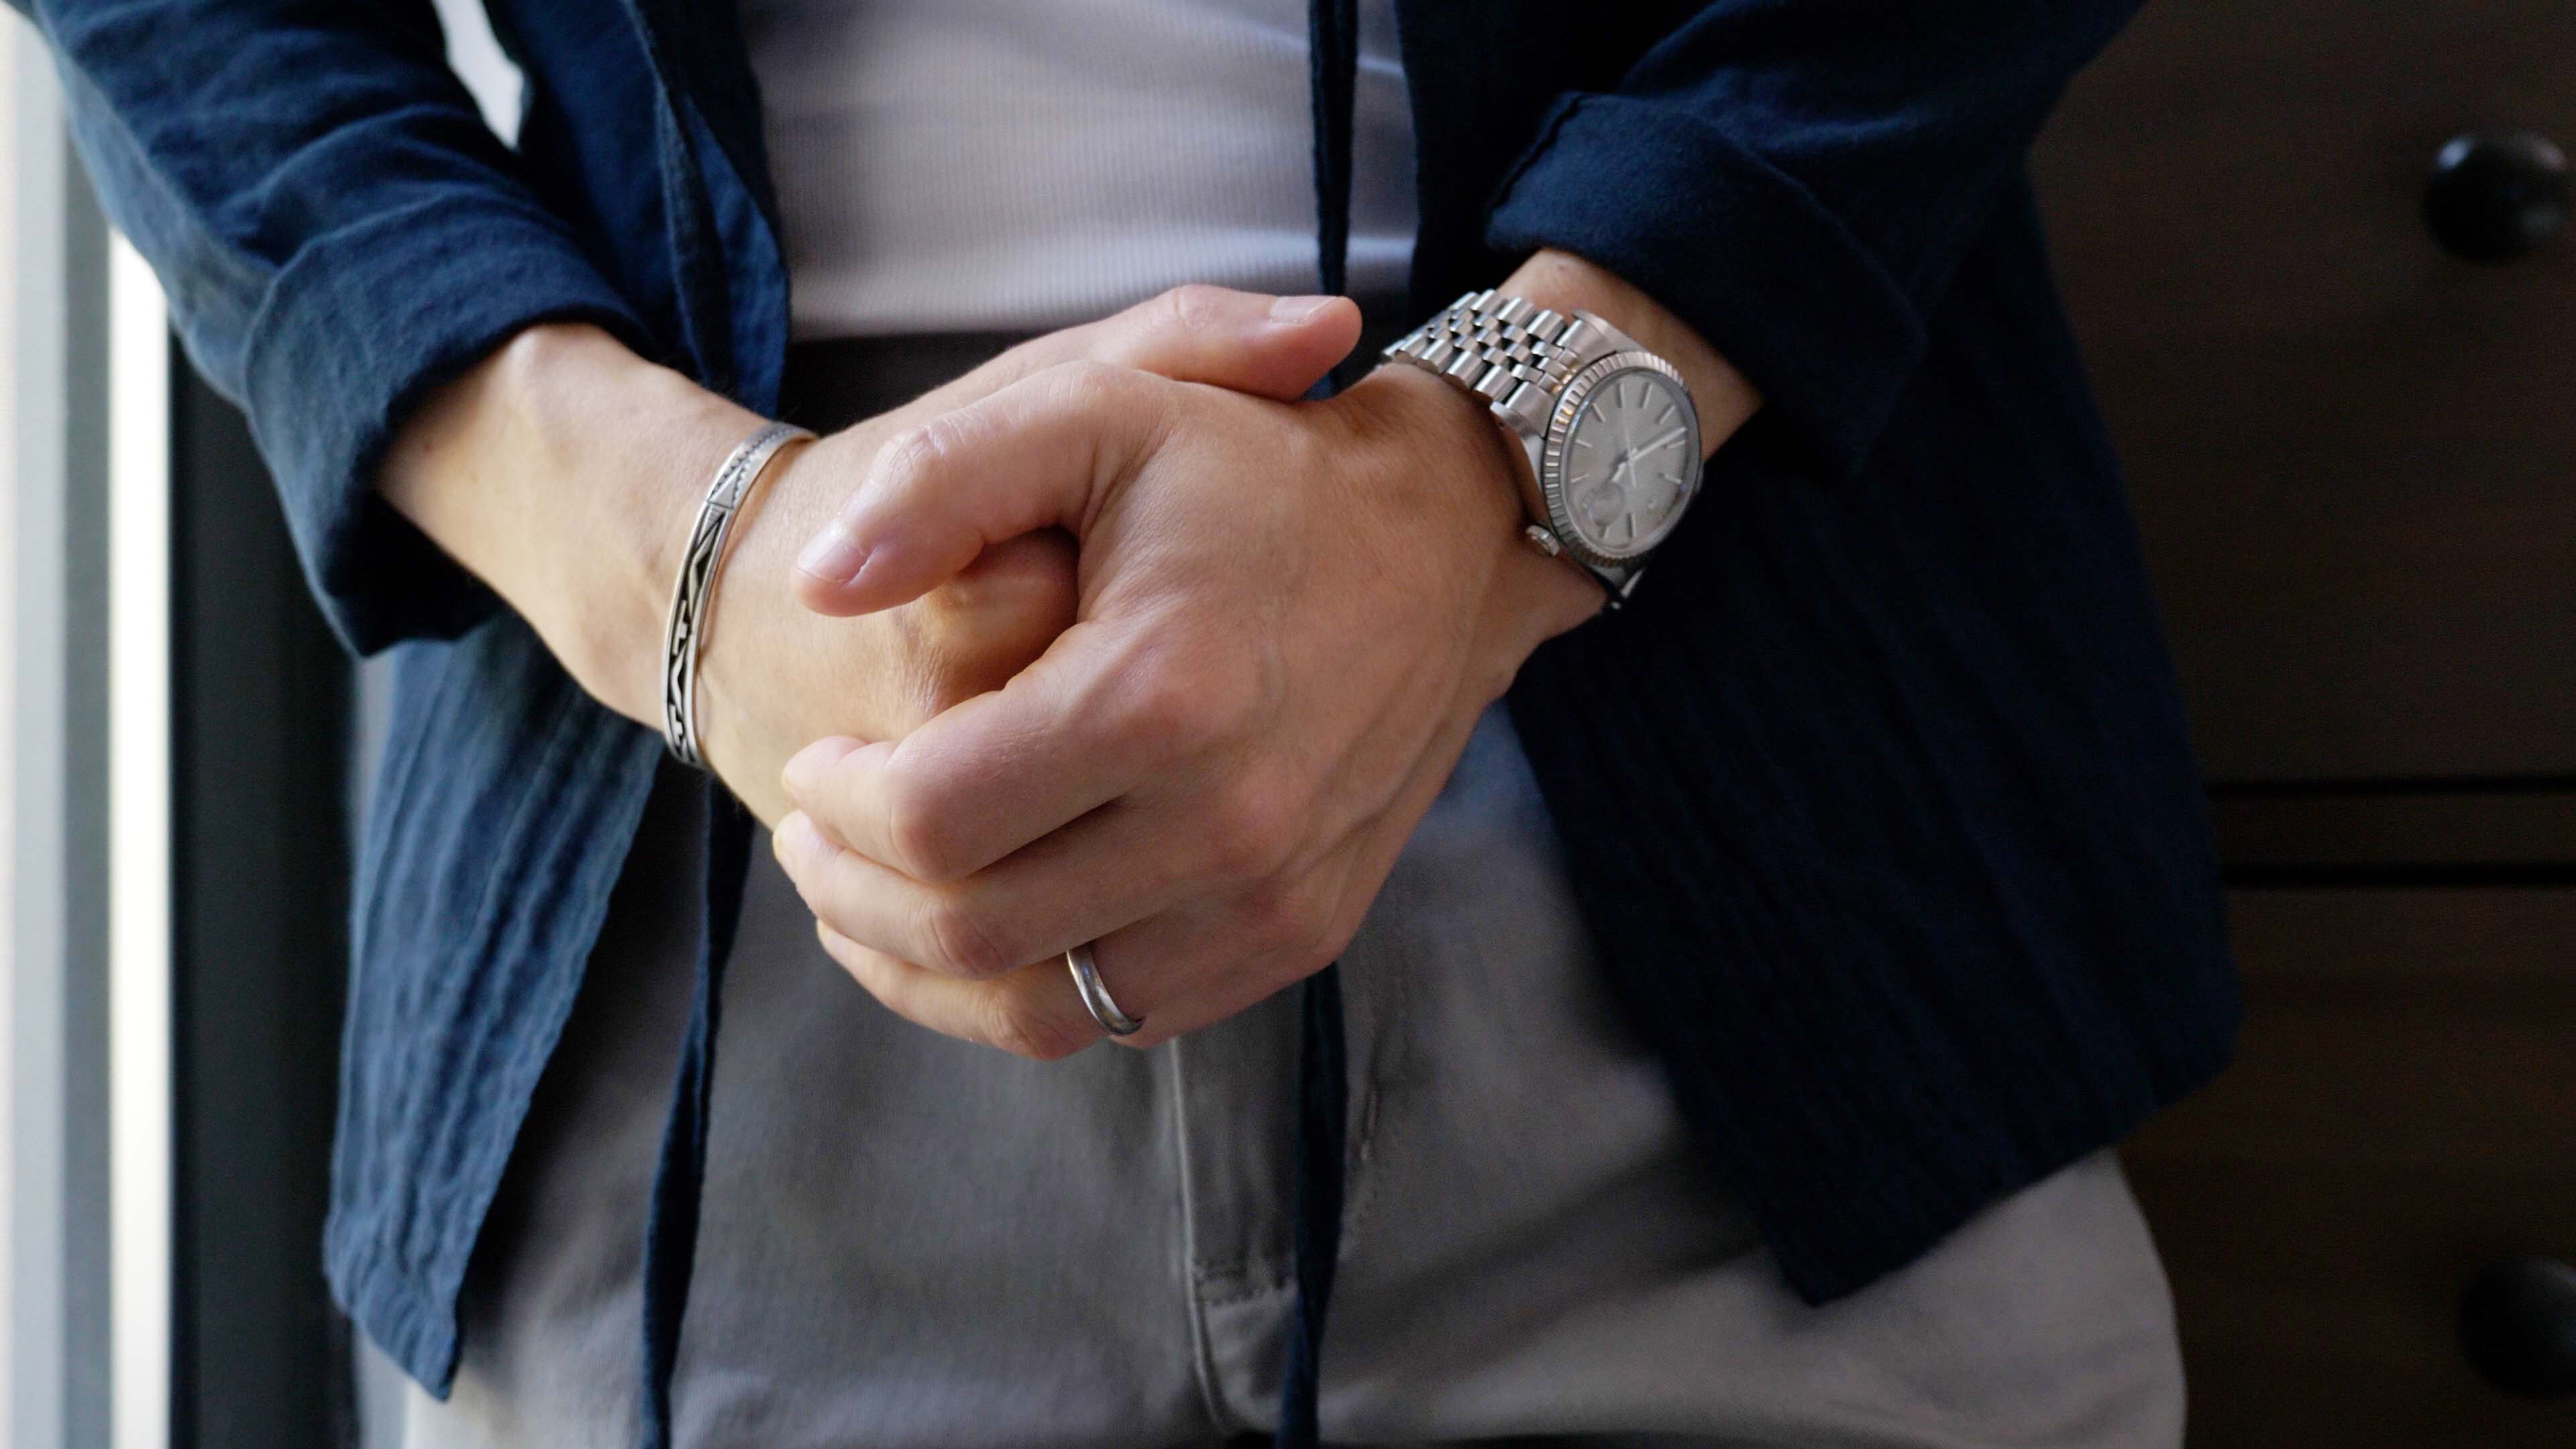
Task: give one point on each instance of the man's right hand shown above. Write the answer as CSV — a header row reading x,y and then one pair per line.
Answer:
x,y
565,472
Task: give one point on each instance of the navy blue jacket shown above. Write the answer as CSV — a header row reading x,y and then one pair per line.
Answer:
x,y
1878,800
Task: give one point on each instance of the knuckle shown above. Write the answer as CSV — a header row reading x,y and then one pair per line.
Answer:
x,y
1193,306
925,845
922,454
1279,919
1088,377
1024,1032
1255,827
964,943
1166,713
910,456
1091,384
1182,697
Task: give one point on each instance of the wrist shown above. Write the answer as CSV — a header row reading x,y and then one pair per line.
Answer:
x,y
638,444
1517,597
565,471
1566,283
1595,363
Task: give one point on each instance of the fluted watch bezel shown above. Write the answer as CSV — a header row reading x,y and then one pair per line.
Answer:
x,y
1552,503
1534,370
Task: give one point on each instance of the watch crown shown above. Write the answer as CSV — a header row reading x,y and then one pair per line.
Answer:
x,y
1542,540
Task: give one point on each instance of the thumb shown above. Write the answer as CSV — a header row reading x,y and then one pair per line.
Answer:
x,y
1034,455
1250,342
1275,347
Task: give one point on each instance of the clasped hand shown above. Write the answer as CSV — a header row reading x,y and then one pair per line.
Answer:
x,y
1287,619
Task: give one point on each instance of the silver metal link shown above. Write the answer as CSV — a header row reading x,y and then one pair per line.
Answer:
x,y
1522,360
1499,347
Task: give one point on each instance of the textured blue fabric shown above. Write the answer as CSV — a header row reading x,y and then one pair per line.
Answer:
x,y
1877,798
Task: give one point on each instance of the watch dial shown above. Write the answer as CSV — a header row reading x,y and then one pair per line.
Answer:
x,y
1630,461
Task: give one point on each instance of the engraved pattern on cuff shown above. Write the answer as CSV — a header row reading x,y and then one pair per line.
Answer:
x,y
693,596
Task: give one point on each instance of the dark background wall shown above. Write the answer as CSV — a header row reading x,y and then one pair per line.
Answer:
x,y
261,733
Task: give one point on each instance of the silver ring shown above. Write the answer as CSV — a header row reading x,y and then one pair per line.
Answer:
x,y
1095,996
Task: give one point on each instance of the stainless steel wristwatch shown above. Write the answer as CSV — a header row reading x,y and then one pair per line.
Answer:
x,y
1609,428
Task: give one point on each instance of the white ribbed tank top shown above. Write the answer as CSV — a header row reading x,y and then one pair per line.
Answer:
x,y
1011,165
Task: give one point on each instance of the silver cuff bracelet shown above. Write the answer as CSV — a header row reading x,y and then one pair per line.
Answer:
x,y
693,597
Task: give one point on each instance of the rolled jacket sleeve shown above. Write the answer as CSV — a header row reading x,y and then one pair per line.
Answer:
x,y
1797,179
338,233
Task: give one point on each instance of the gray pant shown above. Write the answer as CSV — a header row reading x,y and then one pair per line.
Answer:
x,y
911,1241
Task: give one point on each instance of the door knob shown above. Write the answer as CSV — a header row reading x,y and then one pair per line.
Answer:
x,y
2518,1327
2495,197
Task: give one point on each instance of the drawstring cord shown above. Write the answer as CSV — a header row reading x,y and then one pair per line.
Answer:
x,y
1333,74
1315,1199
1323,1075
1323,1085
1333,70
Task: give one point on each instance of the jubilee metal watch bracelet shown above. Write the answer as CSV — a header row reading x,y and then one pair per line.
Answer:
x,y
1608,428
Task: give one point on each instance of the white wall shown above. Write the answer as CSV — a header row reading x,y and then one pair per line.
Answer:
x,y
31,1148
13,38
84,1137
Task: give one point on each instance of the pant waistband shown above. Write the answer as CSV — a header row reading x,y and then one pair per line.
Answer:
x,y
832,383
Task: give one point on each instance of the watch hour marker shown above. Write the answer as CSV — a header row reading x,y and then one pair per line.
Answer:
x,y
1625,465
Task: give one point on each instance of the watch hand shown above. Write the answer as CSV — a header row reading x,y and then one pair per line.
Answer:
x,y
1672,437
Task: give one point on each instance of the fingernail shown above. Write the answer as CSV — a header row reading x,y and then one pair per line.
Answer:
x,y
835,556
1298,309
